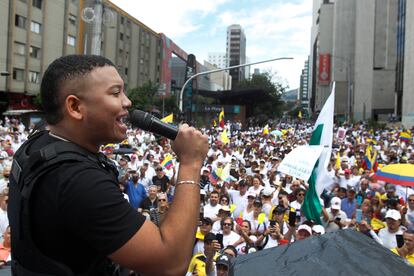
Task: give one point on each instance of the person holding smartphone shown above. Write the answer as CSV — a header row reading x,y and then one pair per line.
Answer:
x,y
406,251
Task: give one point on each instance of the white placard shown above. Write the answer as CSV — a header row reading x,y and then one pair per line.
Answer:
x,y
300,161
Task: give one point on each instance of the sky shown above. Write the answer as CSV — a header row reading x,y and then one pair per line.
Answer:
x,y
273,29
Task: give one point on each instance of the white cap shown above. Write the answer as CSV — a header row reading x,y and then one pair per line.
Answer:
x,y
318,229
336,203
253,194
225,208
393,214
306,228
268,191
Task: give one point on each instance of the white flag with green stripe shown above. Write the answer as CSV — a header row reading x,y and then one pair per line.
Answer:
x,y
322,135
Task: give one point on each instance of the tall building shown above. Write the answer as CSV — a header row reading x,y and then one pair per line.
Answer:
x,y
236,51
406,42
218,59
39,31
354,45
304,86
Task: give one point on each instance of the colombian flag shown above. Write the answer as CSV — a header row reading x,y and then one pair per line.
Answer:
x,y
370,159
221,118
214,177
405,136
167,162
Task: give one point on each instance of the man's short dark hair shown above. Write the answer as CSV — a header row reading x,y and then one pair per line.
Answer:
x,y
60,70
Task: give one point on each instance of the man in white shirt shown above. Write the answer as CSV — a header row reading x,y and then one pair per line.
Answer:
x,y
334,217
387,234
239,198
409,216
212,208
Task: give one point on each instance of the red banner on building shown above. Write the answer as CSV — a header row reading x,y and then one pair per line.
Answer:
x,y
324,76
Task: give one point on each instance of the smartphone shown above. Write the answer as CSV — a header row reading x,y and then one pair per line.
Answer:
x,y
292,218
272,223
358,215
359,199
400,240
219,238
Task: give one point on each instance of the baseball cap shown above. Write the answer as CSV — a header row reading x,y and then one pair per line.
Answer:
x,y
257,201
225,208
391,188
393,214
209,237
279,210
251,194
223,259
267,191
306,228
318,229
336,203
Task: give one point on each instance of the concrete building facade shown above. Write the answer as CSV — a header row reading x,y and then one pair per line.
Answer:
x,y
408,84
218,59
362,56
37,32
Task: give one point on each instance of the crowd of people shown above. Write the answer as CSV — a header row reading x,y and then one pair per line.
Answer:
x,y
252,206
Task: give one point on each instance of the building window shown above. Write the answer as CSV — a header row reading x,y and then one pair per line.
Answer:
x,y
34,52
34,77
121,36
20,21
71,40
18,74
72,19
19,48
35,27
122,20
126,71
37,4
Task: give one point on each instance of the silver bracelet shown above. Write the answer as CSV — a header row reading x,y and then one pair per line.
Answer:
x,y
185,182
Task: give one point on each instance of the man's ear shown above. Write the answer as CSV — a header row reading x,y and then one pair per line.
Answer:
x,y
73,107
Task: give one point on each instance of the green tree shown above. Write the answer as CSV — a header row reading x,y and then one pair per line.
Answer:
x,y
271,106
147,98
144,97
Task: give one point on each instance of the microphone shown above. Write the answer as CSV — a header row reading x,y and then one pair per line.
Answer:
x,y
146,121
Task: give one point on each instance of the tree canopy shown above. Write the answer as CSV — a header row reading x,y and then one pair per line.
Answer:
x,y
273,106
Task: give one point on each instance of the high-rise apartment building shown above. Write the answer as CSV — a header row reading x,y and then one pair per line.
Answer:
x,y
218,59
304,86
35,32
236,51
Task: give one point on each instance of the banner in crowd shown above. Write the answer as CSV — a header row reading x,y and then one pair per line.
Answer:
x,y
300,161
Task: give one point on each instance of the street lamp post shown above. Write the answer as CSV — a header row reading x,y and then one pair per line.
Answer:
x,y
219,70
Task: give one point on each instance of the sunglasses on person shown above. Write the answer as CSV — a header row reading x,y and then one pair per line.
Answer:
x,y
224,200
227,224
162,199
411,200
159,170
301,194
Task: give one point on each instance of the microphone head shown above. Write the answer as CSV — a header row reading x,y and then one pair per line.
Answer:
x,y
140,119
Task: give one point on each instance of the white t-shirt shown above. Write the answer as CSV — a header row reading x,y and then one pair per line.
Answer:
x,y
239,200
256,191
256,227
388,239
271,243
230,239
241,248
211,211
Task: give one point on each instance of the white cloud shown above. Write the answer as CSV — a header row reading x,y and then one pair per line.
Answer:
x,y
273,28
174,18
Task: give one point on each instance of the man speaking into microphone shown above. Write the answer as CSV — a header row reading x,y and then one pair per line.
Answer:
x,y
66,212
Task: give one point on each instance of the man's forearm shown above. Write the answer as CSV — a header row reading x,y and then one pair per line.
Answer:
x,y
180,224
